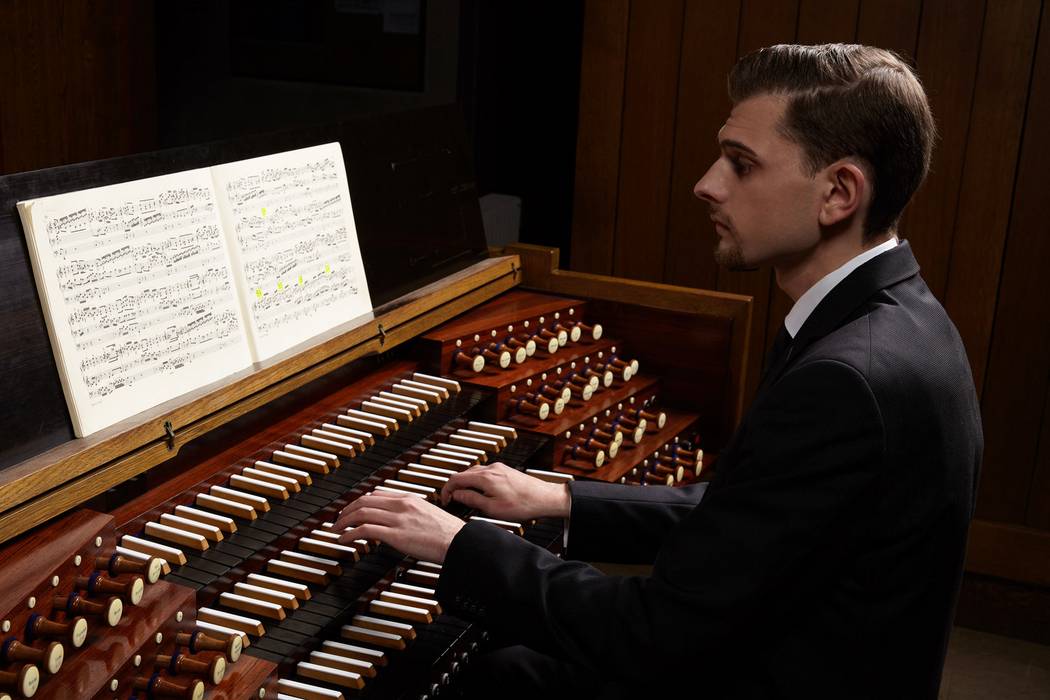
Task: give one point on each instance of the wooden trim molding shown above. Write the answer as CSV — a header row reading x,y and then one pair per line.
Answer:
x,y
1009,551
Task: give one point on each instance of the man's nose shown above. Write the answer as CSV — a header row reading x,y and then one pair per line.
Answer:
x,y
709,187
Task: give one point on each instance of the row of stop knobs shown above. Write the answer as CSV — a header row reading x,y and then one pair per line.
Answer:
x,y
675,463
551,398
98,596
516,348
602,440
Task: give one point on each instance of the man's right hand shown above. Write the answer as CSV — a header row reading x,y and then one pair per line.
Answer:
x,y
502,492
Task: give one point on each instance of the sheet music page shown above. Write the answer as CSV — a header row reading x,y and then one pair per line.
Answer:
x,y
296,246
137,289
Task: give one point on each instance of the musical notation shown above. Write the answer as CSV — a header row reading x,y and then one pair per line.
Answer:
x,y
141,299
296,244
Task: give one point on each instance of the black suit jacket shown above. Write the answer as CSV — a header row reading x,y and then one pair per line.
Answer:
x,y
825,557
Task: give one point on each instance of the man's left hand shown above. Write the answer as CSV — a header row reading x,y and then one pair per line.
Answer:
x,y
409,524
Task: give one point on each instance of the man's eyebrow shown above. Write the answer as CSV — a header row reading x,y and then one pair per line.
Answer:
x,y
730,143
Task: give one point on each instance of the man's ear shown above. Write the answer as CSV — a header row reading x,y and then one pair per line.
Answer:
x,y
846,192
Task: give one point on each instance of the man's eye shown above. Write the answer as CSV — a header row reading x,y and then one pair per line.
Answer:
x,y
740,167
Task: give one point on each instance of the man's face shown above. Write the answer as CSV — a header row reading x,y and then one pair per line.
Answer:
x,y
763,201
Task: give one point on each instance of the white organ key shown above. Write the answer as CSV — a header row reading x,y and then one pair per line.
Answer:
x,y
248,499
341,436
328,549
299,475
389,411
219,521
385,640
330,566
255,606
248,625
288,459
425,394
361,435
206,530
504,430
380,418
327,457
319,442
382,625
481,435
451,384
286,482
406,399
298,590
168,554
263,488
225,505
305,691
285,600
335,676
370,426
435,388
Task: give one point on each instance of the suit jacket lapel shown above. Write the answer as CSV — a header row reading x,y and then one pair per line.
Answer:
x,y
883,271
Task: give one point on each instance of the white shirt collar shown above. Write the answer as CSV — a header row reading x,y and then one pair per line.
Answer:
x,y
815,294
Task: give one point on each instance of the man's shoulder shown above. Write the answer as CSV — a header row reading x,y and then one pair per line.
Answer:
x,y
902,330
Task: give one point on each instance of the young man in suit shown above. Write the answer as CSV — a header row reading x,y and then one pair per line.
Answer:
x,y
825,557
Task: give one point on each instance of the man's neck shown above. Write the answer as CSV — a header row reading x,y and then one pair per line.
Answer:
x,y
798,274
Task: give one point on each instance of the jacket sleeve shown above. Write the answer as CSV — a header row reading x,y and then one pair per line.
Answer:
x,y
803,478
625,524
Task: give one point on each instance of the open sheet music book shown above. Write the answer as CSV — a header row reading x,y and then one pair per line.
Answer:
x,y
155,287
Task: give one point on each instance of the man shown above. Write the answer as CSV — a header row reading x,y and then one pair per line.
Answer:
x,y
825,557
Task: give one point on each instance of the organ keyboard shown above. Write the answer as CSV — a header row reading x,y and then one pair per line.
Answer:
x,y
190,552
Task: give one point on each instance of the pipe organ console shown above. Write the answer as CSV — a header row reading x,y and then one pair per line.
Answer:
x,y
190,552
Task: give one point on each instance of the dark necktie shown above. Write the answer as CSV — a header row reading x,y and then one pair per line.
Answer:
x,y
781,345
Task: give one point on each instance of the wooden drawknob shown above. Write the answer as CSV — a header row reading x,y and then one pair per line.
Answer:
x,y
50,657
118,564
198,642
75,604
548,342
659,418
541,410
75,630
475,363
97,584
498,354
525,340
158,687
178,664
582,454
593,332
573,332
24,681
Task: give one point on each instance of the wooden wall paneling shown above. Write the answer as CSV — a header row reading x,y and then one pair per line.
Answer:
x,y
1037,515
708,53
602,69
650,97
890,24
946,56
1000,95
819,22
75,88
762,23
827,21
1018,368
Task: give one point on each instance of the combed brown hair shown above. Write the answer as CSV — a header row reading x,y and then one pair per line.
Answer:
x,y
847,100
